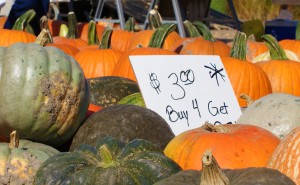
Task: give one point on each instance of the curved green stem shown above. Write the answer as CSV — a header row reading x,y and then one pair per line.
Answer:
x,y
238,49
161,34
276,51
22,23
92,33
72,26
191,29
204,30
105,39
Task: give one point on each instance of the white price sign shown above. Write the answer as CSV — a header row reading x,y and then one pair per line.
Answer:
x,y
186,90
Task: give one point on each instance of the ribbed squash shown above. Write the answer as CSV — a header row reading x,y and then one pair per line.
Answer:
x,y
43,93
111,162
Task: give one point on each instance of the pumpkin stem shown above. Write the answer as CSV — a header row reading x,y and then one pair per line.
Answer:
x,y
238,49
107,159
204,30
298,31
276,51
105,39
72,26
14,140
247,98
191,29
129,25
43,38
215,128
161,34
22,23
44,25
92,33
154,19
211,171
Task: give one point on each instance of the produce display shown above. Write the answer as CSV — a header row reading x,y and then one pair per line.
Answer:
x,y
71,109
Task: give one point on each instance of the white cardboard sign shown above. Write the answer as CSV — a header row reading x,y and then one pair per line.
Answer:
x,y
186,90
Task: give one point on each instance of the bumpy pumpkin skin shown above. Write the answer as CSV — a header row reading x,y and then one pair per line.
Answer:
x,y
246,176
43,93
286,157
111,162
19,165
125,122
276,112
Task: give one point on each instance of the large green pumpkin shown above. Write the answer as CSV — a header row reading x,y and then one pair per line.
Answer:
x,y
43,93
111,162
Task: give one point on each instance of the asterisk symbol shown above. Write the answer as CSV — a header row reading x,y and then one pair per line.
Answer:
x,y
214,72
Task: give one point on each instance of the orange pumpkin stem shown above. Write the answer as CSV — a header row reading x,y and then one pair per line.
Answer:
x,y
211,171
14,140
216,128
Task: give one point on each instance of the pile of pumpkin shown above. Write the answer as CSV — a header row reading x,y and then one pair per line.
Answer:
x,y
71,111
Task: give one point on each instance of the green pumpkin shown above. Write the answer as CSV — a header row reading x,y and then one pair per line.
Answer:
x,y
111,162
20,159
109,90
125,122
43,93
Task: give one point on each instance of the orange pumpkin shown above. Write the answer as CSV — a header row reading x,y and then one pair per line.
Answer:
x,y
68,49
205,45
142,39
234,146
282,72
123,67
254,49
292,45
286,157
245,77
9,37
98,62
2,21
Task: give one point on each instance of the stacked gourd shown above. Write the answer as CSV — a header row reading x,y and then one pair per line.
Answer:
x,y
75,125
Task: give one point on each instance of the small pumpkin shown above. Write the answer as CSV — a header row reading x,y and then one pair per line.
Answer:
x,y
123,67
109,90
212,174
125,122
282,72
286,157
20,159
275,112
110,162
233,145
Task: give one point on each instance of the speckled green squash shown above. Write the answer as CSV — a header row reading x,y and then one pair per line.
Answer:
x,y
111,162
133,99
43,93
109,90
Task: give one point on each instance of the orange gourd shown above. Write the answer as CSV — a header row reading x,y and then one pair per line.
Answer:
x,y
245,77
234,146
284,74
124,68
286,157
9,37
98,62
205,45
